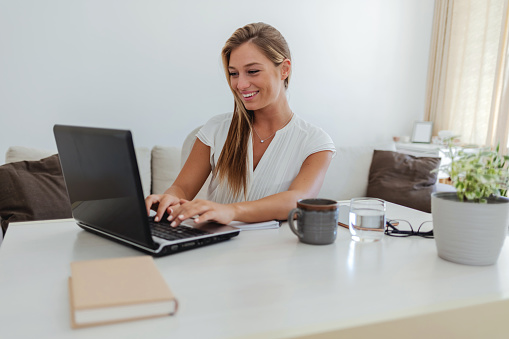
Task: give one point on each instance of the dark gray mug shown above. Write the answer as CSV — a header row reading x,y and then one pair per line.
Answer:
x,y
316,222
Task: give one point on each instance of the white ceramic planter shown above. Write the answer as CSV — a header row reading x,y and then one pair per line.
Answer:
x,y
466,232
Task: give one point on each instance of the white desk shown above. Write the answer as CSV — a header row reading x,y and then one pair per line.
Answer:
x,y
259,284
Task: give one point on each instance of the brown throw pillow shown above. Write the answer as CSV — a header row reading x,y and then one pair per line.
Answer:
x,y
33,190
403,179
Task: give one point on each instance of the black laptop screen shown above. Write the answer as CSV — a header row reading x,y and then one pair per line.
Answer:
x,y
102,179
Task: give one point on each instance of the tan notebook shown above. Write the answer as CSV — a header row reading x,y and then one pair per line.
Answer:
x,y
114,290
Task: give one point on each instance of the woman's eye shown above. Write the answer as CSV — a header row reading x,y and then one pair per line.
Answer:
x,y
232,74
253,72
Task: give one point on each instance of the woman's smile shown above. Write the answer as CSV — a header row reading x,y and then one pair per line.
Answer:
x,y
248,96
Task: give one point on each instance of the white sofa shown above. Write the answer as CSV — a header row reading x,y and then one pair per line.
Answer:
x,y
346,178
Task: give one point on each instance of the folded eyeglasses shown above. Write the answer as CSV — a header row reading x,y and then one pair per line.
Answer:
x,y
403,228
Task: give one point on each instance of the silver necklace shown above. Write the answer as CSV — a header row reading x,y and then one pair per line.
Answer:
x,y
263,140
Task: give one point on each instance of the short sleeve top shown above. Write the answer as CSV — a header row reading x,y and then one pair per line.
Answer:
x,y
278,166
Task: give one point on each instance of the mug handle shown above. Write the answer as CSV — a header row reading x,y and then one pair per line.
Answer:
x,y
291,220
344,215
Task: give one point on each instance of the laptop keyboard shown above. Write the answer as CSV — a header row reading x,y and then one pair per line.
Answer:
x,y
163,230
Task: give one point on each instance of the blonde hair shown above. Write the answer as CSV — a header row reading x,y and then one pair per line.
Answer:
x,y
232,163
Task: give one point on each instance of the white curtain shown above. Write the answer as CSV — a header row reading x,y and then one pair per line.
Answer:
x,y
499,119
467,77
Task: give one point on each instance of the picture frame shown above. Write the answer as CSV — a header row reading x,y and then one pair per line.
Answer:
x,y
422,132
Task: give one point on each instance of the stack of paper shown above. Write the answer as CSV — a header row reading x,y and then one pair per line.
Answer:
x,y
255,225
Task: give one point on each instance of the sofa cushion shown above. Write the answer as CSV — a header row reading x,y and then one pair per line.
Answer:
x,y
347,176
403,179
21,153
33,190
187,146
144,168
165,167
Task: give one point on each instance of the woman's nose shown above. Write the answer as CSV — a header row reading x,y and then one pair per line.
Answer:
x,y
243,83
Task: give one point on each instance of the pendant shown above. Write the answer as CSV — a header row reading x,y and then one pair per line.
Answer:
x,y
262,140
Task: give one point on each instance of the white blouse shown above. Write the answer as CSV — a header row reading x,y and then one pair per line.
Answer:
x,y
278,166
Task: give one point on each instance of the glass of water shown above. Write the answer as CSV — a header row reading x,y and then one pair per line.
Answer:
x,y
367,219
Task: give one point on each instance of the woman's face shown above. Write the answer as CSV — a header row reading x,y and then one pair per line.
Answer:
x,y
257,81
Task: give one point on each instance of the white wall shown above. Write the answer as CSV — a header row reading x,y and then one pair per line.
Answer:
x,y
154,66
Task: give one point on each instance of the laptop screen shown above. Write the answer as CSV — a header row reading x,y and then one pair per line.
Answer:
x,y
102,179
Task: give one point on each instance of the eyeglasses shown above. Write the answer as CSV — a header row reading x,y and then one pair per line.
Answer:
x,y
405,229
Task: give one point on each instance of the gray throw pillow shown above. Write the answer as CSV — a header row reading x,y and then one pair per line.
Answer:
x,y
403,179
33,190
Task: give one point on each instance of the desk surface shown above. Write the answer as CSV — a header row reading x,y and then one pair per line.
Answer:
x,y
260,284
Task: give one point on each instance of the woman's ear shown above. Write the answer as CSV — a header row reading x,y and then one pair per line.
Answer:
x,y
286,67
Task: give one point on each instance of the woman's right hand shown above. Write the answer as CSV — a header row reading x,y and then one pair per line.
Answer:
x,y
161,203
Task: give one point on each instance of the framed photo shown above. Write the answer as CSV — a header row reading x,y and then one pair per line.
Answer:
x,y
422,131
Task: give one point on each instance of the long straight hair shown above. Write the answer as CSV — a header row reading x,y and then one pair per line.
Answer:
x,y
232,163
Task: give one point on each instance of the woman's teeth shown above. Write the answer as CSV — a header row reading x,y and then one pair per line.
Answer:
x,y
249,94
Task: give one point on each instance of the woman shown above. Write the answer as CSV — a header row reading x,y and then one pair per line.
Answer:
x,y
263,157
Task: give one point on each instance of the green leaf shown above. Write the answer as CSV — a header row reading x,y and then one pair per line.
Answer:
x,y
477,172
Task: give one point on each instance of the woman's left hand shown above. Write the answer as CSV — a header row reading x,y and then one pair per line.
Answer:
x,y
205,210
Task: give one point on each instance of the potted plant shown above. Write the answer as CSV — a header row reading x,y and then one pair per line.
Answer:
x,y
471,224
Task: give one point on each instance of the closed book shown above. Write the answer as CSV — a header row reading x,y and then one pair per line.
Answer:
x,y
114,290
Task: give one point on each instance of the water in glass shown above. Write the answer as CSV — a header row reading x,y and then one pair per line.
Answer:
x,y
367,219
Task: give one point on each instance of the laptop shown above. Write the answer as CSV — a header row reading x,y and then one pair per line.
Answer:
x,y
104,187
